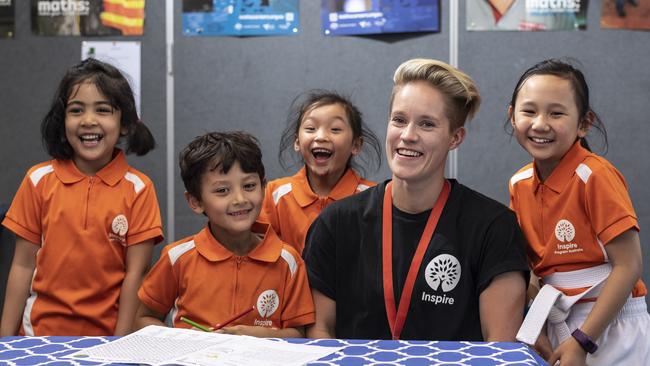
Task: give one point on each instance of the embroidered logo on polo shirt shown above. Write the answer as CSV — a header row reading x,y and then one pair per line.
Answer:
x,y
565,232
442,273
267,304
120,226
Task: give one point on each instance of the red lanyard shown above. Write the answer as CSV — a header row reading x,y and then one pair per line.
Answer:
x,y
396,319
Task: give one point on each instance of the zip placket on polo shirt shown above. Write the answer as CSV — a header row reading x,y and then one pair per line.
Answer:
x,y
234,306
91,181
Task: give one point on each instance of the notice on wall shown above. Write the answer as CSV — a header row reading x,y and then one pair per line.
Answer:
x,y
123,55
240,17
526,15
350,17
625,14
7,16
88,18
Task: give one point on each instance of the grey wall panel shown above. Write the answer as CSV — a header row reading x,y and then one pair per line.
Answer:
x,y
227,83
614,63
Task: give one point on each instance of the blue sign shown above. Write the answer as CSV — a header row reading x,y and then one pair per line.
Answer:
x,y
350,17
240,17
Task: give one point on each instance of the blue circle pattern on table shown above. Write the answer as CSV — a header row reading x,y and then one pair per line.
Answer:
x,y
18,351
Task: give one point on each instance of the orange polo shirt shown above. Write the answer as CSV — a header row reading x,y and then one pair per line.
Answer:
x,y
569,218
83,225
200,279
290,206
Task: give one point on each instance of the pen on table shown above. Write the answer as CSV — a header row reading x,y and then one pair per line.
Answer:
x,y
195,324
235,317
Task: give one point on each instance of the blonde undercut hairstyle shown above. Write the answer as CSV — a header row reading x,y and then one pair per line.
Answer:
x,y
460,91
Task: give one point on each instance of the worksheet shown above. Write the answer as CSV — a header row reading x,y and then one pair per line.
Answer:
x,y
156,345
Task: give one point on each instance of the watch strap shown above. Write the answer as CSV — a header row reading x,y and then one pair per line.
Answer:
x,y
585,341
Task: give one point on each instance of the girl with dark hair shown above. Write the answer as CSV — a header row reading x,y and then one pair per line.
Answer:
x,y
85,222
327,131
583,235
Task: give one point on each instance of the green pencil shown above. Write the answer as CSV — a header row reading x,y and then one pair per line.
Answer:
x,y
195,324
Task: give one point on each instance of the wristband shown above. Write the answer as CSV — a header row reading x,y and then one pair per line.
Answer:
x,y
585,341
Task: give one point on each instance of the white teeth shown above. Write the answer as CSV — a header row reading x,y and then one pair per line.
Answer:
x,y
239,213
540,140
411,153
90,137
321,150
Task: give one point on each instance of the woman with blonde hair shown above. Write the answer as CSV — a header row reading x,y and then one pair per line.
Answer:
x,y
419,256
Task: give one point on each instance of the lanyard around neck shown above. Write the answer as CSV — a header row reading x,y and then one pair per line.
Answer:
x,y
396,318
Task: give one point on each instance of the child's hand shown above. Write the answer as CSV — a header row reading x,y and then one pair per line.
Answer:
x,y
202,330
543,346
249,330
569,353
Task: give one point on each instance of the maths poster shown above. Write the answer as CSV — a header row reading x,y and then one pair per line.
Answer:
x,y
240,17
350,17
88,18
6,19
526,15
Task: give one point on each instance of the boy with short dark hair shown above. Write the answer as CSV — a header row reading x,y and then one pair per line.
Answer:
x,y
234,263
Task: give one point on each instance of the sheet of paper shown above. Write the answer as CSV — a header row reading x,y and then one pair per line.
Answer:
x,y
255,351
125,55
155,345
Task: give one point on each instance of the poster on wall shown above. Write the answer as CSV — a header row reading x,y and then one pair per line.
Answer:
x,y
88,18
625,14
123,55
6,19
350,17
526,15
240,17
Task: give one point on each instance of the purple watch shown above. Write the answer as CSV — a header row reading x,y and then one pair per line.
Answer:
x,y
585,341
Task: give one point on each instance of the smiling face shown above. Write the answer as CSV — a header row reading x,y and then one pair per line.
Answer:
x,y
92,127
419,136
232,202
546,119
326,141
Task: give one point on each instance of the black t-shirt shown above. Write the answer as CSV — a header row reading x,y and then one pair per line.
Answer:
x,y
476,239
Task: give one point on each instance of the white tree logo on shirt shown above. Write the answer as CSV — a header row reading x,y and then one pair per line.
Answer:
x,y
443,271
564,231
120,225
267,303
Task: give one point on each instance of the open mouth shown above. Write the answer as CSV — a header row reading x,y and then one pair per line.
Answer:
x,y
240,212
408,153
91,138
539,140
321,154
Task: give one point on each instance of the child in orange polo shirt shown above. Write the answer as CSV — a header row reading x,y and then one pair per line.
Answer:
x,y
327,131
85,222
574,208
234,263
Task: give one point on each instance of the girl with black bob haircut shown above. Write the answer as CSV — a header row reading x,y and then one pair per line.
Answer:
x,y
85,221
110,81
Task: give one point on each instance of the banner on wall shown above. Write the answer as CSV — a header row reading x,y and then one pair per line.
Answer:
x,y
625,14
526,15
350,17
7,19
88,18
240,17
